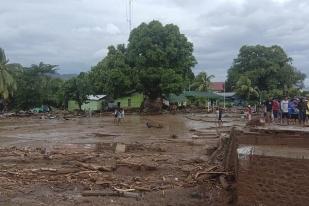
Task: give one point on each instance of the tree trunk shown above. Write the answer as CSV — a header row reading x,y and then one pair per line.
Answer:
x,y
153,105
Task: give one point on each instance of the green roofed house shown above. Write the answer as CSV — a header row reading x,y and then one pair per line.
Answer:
x,y
179,100
197,98
94,103
208,95
133,100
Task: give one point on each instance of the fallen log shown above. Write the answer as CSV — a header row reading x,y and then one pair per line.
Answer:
x,y
155,125
138,166
49,169
111,193
98,193
94,167
142,189
123,190
206,171
203,120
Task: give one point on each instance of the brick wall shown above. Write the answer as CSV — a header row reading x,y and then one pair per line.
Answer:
x,y
264,181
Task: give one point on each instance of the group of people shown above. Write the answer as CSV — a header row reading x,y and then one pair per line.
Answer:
x,y
287,110
118,115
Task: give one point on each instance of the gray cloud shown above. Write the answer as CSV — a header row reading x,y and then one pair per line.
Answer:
x,y
75,33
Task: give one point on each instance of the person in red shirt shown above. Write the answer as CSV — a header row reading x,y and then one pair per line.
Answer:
x,y
275,108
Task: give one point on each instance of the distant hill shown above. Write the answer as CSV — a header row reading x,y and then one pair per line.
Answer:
x,y
63,76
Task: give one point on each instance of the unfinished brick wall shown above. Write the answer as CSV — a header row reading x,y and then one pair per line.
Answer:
x,y
267,181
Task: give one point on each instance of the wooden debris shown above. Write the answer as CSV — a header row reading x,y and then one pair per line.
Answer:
x,y
94,167
123,190
49,169
206,171
142,189
98,193
138,166
120,148
103,183
154,125
111,193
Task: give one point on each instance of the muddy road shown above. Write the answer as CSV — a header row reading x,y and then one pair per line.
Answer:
x,y
92,161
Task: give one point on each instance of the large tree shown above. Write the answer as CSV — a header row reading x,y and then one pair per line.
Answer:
x,y
268,68
7,81
155,50
158,60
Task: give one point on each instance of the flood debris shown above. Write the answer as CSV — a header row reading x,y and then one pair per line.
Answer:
x,y
120,148
115,164
117,192
152,124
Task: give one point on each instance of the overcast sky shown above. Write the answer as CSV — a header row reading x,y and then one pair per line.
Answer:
x,y
75,33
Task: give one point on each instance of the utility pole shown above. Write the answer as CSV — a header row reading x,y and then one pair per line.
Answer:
x,y
224,95
129,14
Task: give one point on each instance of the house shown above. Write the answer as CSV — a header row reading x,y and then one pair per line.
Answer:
x,y
217,86
133,100
93,103
179,100
207,95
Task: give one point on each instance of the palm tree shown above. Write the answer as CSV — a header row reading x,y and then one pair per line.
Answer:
x,y
202,82
7,81
244,88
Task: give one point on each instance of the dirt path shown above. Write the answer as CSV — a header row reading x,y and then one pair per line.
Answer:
x,y
52,162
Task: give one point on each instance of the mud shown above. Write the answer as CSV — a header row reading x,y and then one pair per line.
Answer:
x,y
52,161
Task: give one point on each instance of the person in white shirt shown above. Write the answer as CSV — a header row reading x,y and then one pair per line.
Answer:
x,y
285,110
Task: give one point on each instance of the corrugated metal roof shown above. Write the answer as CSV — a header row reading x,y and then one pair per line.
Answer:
x,y
209,94
96,97
226,94
173,98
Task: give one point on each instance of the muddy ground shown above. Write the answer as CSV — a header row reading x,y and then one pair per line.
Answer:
x,y
62,162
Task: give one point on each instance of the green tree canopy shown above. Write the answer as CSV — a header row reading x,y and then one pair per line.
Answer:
x,y
37,87
155,45
268,68
157,60
154,51
113,75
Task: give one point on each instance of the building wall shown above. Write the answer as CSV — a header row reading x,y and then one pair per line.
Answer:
x,y
72,105
271,167
273,181
136,100
91,104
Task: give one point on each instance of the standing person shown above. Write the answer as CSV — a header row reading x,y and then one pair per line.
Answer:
x,y
268,108
293,113
285,110
122,114
307,112
220,112
115,116
249,113
302,107
275,108
118,116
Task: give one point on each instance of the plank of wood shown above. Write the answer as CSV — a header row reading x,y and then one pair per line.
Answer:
x,y
111,193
